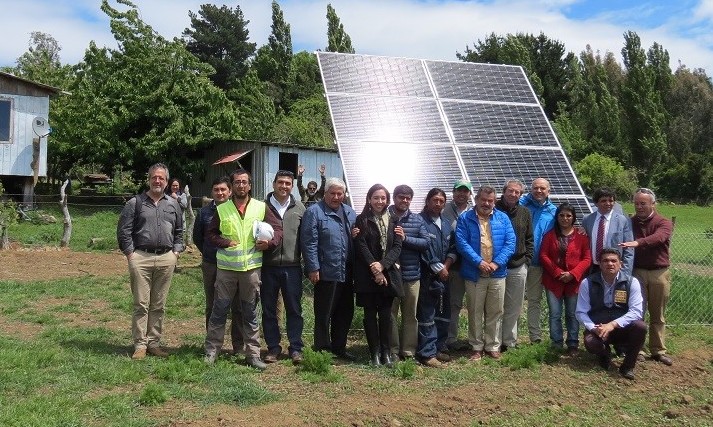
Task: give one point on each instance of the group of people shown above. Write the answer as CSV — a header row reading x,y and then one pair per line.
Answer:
x,y
397,264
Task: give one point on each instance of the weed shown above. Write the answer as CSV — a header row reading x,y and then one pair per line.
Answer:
x,y
316,362
152,395
405,370
526,357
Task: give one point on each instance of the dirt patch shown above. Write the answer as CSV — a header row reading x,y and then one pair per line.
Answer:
x,y
31,265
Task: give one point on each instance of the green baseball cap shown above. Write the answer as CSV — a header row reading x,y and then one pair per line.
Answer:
x,y
462,183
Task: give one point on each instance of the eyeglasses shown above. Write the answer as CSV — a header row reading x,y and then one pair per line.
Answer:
x,y
241,182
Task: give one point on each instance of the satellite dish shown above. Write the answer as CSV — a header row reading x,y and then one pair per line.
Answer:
x,y
40,126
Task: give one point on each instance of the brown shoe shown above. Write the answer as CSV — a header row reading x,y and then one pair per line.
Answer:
x,y
640,357
139,353
431,362
271,356
477,355
663,359
572,352
296,357
156,351
494,354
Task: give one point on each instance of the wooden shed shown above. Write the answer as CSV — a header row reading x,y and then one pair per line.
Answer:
x,y
262,160
23,154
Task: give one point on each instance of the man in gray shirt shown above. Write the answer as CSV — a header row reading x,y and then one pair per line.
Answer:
x,y
150,234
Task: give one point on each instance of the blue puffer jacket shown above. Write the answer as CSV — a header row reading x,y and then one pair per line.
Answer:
x,y
415,244
326,245
439,242
543,219
468,243
207,248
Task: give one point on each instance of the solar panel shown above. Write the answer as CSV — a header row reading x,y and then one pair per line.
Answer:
x,y
427,123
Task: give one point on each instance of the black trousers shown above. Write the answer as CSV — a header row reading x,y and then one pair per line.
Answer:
x,y
333,313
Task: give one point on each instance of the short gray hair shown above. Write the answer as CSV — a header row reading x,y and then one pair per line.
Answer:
x,y
644,190
156,166
516,182
334,182
484,189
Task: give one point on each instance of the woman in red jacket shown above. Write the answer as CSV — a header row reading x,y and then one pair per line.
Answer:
x,y
565,257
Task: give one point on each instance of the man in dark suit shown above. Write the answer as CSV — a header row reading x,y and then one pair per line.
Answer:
x,y
607,229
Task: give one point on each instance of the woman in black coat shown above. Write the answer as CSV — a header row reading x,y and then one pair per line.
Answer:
x,y
377,278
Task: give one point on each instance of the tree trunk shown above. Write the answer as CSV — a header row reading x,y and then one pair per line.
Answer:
x,y
190,218
4,240
67,219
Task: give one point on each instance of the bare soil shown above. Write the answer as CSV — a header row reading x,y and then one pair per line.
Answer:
x,y
365,398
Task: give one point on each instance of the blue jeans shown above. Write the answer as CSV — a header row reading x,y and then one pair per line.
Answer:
x,y
289,281
434,317
556,333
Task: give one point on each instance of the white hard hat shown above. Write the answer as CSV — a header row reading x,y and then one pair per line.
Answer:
x,y
263,231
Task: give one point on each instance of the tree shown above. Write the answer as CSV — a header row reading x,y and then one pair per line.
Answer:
x,y
304,79
308,124
596,171
337,39
219,37
41,62
273,60
255,109
643,108
149,100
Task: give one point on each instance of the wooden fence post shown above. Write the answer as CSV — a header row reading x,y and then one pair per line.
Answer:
x,y
67,219
190,218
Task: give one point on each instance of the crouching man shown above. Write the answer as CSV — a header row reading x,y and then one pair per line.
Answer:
x,y
610,307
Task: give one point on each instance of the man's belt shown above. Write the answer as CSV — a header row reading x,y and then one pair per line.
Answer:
x,y
157,251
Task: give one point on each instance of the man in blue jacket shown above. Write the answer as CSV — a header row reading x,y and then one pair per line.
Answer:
x,y
221,192
543,219
485,240
328,254
415,244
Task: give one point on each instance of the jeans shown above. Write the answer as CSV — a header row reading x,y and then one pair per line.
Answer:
x,y
433,315
555,307
289,281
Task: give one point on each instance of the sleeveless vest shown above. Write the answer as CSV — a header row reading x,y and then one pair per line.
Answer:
x,y
600,313
244,256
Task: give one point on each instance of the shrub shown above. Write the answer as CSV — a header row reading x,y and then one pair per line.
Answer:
x,y
317,362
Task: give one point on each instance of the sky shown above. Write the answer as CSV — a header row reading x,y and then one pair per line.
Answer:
x,y
429,29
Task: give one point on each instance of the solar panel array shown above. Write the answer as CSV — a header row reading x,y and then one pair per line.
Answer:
x,y
428,123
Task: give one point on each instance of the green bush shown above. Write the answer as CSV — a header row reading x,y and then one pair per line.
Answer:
x,y
406,369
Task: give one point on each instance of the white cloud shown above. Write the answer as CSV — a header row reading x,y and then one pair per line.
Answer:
x,y
409,28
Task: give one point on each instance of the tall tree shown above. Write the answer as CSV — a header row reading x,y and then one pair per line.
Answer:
x,y
274,59
41,62
337,38
149,100
219,36
643,107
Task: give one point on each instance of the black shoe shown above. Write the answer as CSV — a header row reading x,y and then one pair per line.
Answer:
x,y
627,373
345,356
375,359
386,359
605,361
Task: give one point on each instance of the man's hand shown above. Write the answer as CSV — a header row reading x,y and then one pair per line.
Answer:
x,y
399,231
380,279
129,256
234,243
485,267
313,277
300,170
261,245
355,232
603,330
633,244
322,169
443,275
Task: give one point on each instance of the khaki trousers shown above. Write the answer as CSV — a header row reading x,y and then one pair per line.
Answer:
x,y
533,294
485,302
456,286
656,289
244,285
405,343
512,307
150,281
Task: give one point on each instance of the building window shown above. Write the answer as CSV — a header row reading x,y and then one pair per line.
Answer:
x,y
5,120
